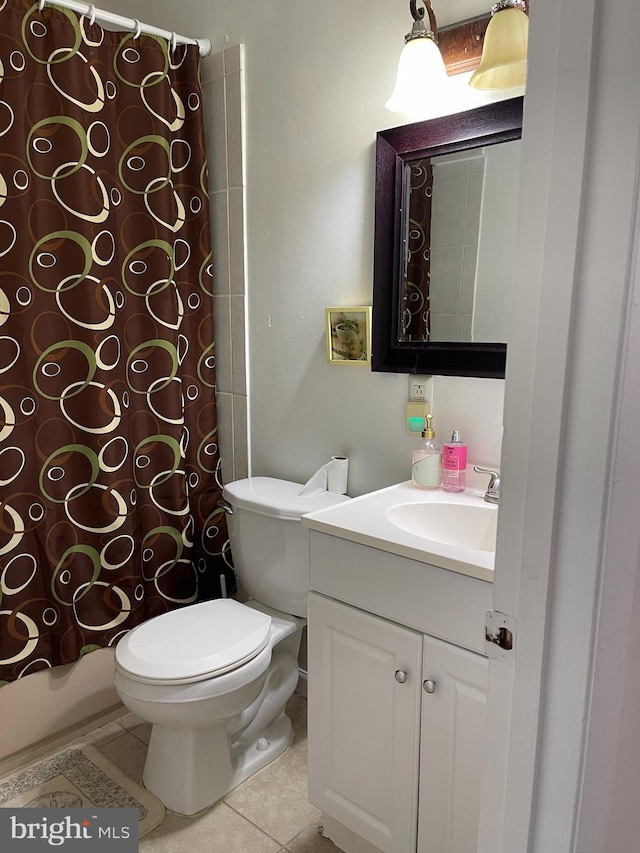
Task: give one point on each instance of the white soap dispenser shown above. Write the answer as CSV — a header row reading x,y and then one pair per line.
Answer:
x,y
426,460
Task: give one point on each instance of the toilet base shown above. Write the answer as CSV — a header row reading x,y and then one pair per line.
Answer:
x,y
249,758
202,788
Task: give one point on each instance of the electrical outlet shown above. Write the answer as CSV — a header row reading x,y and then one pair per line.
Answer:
x,y
417,392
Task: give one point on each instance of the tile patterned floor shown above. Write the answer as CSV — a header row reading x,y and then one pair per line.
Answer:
x,y
269,813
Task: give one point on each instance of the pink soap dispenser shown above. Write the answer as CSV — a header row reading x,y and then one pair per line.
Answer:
x,y
454,464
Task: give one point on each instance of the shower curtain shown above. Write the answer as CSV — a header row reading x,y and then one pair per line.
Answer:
x,y
109,463
416,283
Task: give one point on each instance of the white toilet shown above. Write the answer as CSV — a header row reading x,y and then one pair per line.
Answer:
x,y
214,678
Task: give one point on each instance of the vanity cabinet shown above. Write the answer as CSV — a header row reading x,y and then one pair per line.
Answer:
x,y
396,731
396,715
452,739
364,723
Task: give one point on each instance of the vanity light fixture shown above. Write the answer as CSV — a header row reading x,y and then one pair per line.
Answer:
x,y
504,54
421,70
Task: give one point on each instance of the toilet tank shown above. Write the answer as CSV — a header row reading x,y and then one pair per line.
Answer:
x,y
269,545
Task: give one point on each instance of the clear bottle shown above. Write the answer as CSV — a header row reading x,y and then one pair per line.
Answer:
x,y
426,460
454,464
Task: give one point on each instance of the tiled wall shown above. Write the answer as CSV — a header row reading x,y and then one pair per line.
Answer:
x,y
223,91
457,196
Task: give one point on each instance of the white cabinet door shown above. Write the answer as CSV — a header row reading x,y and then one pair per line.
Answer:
x,y
364,719
452,748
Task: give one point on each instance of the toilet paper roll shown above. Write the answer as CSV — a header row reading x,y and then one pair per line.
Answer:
x,y
337,475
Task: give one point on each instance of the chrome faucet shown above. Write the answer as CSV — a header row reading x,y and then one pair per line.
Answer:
x,y
492,495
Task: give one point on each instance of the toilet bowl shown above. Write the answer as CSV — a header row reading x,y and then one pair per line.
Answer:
x,y
213,678
212,723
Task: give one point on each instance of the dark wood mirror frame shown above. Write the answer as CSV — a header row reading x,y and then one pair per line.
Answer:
x,y
486,125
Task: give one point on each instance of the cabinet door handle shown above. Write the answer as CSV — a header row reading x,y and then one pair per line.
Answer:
x,y
429,686
401,676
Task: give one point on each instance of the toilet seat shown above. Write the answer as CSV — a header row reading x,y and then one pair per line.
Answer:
x,y
194,643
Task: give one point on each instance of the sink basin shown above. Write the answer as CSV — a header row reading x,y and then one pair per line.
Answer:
x,y
459,524
451,531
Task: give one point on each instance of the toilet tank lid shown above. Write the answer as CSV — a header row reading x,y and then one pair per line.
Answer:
x,y
278,498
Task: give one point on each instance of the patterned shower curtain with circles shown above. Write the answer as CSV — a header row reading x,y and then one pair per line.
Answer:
x,y
109,464
416,283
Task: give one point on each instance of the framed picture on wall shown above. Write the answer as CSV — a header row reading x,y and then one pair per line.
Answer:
x,y
348,331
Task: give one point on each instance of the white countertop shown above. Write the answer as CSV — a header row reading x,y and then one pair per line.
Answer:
x,y
364,520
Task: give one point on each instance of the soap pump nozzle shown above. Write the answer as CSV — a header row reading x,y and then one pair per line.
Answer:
x,y
428,432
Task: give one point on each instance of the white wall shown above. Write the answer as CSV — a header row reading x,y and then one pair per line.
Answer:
x,y
316,79
48,702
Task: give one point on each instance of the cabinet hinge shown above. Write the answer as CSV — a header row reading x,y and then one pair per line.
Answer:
x,y
499,636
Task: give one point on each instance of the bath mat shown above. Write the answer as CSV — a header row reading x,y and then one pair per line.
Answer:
x,y
80,777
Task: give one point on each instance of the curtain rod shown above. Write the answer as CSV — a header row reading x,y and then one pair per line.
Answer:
x,y
132,24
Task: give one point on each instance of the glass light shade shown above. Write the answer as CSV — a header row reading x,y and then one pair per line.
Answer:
x,y
504,54
421,76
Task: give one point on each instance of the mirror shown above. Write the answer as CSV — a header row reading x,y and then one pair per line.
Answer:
x,y
446,202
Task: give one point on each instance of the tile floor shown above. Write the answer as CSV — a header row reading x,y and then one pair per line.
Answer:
x,y
269,813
